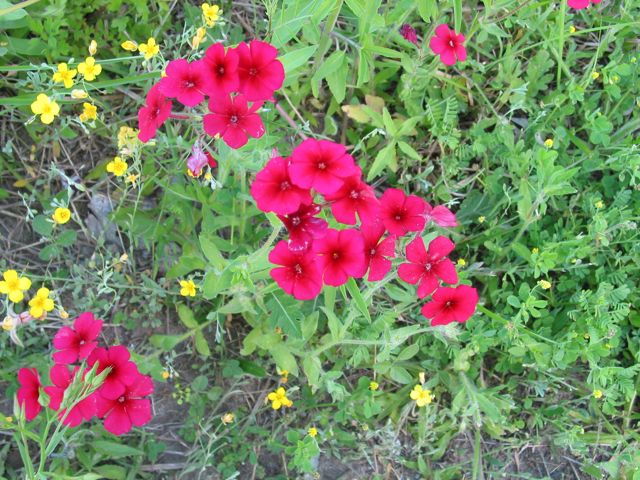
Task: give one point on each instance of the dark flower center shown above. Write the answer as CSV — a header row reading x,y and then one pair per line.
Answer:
x,y
427,267
253,72
448,304
296,221
122,399
298,269
81,342
233,119
155,112
354,194
189,84
398,217
322,165
220,70
372,252
451,44
335,255
285,185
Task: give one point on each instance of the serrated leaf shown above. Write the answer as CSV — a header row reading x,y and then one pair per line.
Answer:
x,y
186,316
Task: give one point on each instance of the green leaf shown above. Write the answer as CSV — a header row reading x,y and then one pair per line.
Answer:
x,y
284,358
361,305
115,449
334,324
202,347
329,66
297,58
212,253
286,318
428,10
312,369
42,226
293,15
165,342
186,316
385,158
252,368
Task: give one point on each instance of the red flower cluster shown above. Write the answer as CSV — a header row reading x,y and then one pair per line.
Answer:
x,y
316,255
120,400
231,78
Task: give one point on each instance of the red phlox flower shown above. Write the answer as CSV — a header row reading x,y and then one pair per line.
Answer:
x,y
150,117
233,120
377,250
426,268
303,226
354,196
129,408
440,215
123,371
409,33
61,378
29,392
449,45
322,165
298,275
260,73
451,305
184,81
222,70
211,161
580,4
274,191
78,342
401,213
340,256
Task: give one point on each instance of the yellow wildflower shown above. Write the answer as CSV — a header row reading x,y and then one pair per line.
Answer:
x,y
165,374
7,324
615,78
313,431
132,178
198,37
462,262
373,385
211,14
46,108
79,94
572,29
61,215
64,75
535,250
548,142
89,112
279,399
227,418
597,394
187,288
14,285
117,166
208,176
149,49
599,204
481,219
129,45
544,284
421,396
41,303
63,314
90,69
595,75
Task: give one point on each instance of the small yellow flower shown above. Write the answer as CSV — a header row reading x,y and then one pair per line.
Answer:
x,y
132,178
61,215
63,314
313,432
284,376
93,47
14,285
89,112
544,284
597,394
129,45
127,139
595,75
481,219
149,49
211,14
41,303
572,29
615,78
46,108
187,288
422,397
7,324
165,374
599,204
64,75
198,37
90,69
208,176
117,166
535,250
279,399
548,142
462,262
79,94
373,385
227,418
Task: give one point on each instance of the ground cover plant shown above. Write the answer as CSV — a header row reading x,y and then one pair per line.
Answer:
x,y
334,239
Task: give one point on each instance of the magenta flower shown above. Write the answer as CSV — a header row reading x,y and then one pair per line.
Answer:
x,y
260,73
78,342
321,165
426,268
127,409
123,371
401,213
61,378
274,191
580,4
409,33
303,226
184,81
197,160
354,196
298,275
451,305
155,112
233,120
449,45
440,215
221,70
377,250
29,392
340,256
